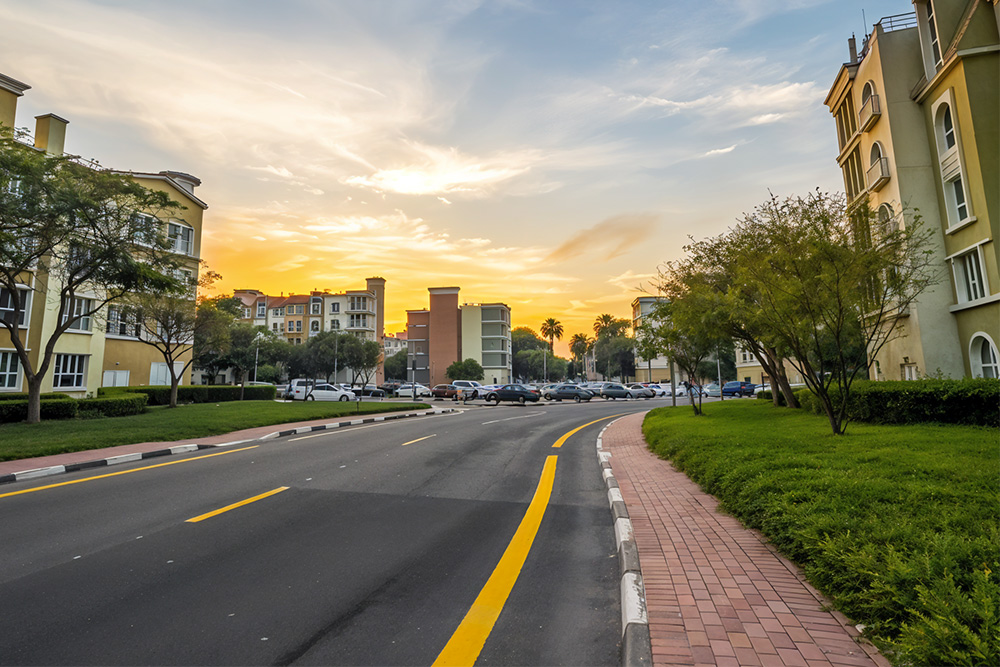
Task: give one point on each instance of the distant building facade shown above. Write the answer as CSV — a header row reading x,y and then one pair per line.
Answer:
x,y
656,369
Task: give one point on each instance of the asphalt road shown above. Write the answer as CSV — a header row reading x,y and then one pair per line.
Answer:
x,y
373,545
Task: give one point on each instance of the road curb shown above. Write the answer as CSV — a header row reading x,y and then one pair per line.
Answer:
x,y
637,647
35,473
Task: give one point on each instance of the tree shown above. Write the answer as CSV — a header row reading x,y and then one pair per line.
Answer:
x,y
523,338
829,282
395,366
609,326
87,237
211,337
470,369
615,356
327,352
362,356
243,349
579,345
552,329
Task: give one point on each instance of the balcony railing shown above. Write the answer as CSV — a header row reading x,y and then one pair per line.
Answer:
x,y
869,113
878,174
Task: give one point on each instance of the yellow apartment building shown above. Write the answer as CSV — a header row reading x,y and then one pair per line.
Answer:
x,y
917,113
104,349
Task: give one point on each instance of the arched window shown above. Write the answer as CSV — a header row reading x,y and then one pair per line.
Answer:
x,y
983,356
314,325
948,136
947,127
876,154
867,92
887,222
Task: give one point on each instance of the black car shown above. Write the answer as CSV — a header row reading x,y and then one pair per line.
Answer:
x,y
567,392
512,392
369,390
738,388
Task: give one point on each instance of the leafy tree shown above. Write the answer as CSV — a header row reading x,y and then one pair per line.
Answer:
x,y
470,369
535,364
268,373
579,345
615,356
361,356
327,352
830,281
211,338
609,326
80,233
395,366
243,349
523,338
552,329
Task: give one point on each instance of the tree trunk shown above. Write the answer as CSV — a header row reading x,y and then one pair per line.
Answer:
x,y
34,400
174,381
780,379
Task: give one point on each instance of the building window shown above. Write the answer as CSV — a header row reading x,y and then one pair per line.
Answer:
x,y
278,312
935,46
145,229
181,238
358,322
122,322
300,310
261,310
334,324
77,312
908,372
246,313
982,354
335,307
7,305
854,175
950,162
315,308
298,325
274,327
947,128
314,325
10,371
969,283
358,303
70,371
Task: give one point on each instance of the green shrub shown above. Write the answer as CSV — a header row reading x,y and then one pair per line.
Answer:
x,y
46,396
195,393
766,395
115,405
52,408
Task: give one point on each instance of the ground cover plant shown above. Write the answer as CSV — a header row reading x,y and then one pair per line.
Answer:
x,y
898,525
161,424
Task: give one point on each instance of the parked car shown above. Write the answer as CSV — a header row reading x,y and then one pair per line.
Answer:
x,y
738,388
561,392
710,389
658,389
406,390
641,391
513,392
470,389
444,391
614,390
322,392
390,387
281,391
369,390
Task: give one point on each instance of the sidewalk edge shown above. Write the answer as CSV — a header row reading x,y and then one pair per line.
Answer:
x,y
637,648
47,471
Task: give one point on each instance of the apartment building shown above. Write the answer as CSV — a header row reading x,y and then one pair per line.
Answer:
x,y
104,349
445,332
394,343
647,370
917,113
298,317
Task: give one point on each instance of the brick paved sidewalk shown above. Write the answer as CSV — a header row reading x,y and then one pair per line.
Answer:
x,y
716,593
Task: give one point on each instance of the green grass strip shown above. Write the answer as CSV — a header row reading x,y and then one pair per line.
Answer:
x,y
898,525
162,424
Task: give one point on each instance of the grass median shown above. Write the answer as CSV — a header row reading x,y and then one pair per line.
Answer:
x,y
162,424
898,525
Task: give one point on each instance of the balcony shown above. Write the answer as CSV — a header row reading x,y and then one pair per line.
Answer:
x,y
870,112
878,174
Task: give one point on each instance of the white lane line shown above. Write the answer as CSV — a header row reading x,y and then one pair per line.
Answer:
x,y
418,440
352,429
533,414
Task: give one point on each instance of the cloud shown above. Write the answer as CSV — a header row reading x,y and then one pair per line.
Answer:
x,y
720,151
614,235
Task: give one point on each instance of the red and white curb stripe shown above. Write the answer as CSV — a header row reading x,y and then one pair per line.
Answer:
x,y
636,645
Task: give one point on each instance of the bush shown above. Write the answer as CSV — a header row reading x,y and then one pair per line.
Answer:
x,y
52,408
195,393
115,406
972,402
23,397
766,395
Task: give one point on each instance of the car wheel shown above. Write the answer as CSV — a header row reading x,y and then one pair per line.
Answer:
x,y
309,398
576,398
496,400
343,398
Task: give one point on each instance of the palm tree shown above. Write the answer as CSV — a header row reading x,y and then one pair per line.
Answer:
x,y
603,323
578,346
552,329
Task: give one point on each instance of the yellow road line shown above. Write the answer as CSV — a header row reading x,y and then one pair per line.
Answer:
x,y
560,441
125,472
467,642
219,511
417,440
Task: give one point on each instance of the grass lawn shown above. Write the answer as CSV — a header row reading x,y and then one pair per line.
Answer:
x,y
898,525
18,441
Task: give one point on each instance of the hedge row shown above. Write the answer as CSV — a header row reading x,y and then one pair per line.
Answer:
x,y
53,408
972,402
24,397
198,393
114,406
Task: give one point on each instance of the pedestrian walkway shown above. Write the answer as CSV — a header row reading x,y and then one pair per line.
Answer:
x,y
716,592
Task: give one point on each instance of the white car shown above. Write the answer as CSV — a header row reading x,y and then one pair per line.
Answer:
x,y
406,391
470,389
659,390
322,392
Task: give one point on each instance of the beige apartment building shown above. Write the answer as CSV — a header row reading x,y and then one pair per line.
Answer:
x,y
445,332
298,317
917,113
647,370
104,349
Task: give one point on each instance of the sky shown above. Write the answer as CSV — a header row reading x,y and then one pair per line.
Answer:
x,y
551,155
